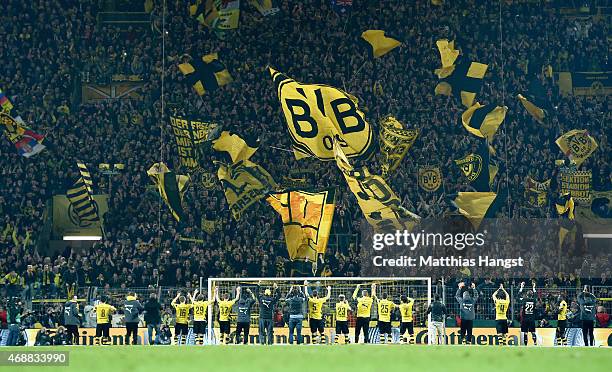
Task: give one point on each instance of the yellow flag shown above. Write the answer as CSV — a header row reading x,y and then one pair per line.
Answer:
x,y
483,121
394,143
532,109
380,43
448,53
235,146
171,187
475,205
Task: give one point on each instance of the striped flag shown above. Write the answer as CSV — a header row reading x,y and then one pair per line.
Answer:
x,y
81,196
5,104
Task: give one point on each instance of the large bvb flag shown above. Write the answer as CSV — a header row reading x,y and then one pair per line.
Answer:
x,y
317,115
171,187
307,219
205,74
81,196
378,202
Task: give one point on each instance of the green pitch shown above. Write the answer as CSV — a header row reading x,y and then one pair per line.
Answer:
x,y
384,358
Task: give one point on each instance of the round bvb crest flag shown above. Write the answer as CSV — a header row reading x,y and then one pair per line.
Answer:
x,y
430,178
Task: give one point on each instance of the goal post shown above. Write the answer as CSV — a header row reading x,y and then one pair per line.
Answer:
x,y
419,288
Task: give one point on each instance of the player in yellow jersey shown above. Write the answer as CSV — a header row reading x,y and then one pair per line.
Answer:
x,y
385,307
502,303
364,307
181,327
342,311
225,309
315,313
200,314
103,315
407,323
561,321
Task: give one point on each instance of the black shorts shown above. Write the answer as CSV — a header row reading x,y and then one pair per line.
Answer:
x,y
181,329
199,327
407,326
528,325
342,327
384,327
131,327
103,330
561,325
316,325
224,326
501,326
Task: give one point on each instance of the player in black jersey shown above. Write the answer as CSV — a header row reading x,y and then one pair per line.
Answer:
x,y
527,302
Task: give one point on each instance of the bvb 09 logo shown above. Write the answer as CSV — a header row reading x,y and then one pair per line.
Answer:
x,y
580,144
430,178
77,220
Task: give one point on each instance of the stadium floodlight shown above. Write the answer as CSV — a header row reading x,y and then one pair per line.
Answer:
x,y
419,287
83,237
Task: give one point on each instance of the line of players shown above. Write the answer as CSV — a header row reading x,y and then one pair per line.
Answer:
x,y
294,300
527,303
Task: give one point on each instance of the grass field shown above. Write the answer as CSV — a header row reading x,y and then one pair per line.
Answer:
x,y
351,358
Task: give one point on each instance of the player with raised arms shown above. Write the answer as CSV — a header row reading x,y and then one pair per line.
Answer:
x,y
364,307
315,313
181,327
527,302
502,303
342,310
385,307
200,314
225,308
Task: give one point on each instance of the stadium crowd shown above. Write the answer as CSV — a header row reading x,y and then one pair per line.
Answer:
x,y
52,46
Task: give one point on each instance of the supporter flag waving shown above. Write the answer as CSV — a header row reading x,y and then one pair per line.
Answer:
x,y
565,210
5,103
476,206
536,192
380,43
81,196
205,11
317,115
205,74
265,7
476,167
483,121
27,142
394,143
171,187
448,53
463,80
533,110
577,145
307,219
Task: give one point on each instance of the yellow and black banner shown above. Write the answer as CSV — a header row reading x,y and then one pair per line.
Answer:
x,y
591,83
66,221
208,180
430,178
211,226
81,196
577,145
170,186
394,142
205,11
205,74
189,133
483,121
379,204
462,81
565,207
477,169
576,183
317,115
536,192
307,220
244,184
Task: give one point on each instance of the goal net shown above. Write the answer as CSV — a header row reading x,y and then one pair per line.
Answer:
x,y
419,289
